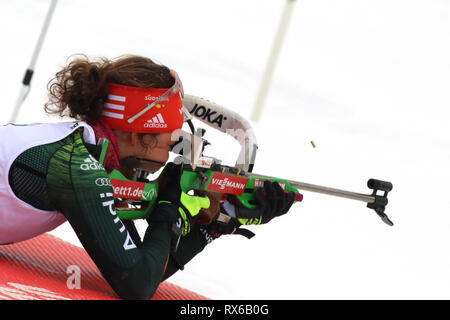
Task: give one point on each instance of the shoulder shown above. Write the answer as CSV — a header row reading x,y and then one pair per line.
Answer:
x,y
74,158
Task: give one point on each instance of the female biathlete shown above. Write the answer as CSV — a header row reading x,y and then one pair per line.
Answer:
x,y
49,172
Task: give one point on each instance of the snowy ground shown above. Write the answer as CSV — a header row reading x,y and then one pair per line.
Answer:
x,y
367,80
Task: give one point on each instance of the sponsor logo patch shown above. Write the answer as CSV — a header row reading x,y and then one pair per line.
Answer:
x,y
227,184
128,189
208,114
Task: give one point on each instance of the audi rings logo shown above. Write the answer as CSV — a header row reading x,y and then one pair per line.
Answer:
x,y
103,182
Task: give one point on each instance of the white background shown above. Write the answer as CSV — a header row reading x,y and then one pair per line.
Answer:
x,y
367,80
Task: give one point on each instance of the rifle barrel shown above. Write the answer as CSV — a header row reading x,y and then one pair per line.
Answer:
x,y
324,190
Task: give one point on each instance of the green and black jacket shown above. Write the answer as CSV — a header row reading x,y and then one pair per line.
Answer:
x,y
64,176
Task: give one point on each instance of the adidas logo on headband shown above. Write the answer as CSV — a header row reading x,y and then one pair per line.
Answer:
x,y
156,122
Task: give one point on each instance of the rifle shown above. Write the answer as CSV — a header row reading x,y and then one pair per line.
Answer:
x,y
136,196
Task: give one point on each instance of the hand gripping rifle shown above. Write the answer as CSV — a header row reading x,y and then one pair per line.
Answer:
x,y
136,195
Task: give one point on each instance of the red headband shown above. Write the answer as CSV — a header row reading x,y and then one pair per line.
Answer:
x,y
144,110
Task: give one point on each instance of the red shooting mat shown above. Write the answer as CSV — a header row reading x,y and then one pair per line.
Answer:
x,y
46,268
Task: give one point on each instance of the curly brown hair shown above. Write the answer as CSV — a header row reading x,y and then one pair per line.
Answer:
x,y
80,89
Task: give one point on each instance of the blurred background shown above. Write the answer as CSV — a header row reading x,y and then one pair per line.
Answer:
x,y
368,81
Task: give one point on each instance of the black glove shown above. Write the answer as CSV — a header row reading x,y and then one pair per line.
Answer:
x,y
271,201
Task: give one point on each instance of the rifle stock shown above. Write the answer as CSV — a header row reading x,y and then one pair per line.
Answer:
x,y
139,198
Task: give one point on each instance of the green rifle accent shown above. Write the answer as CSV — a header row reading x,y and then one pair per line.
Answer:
x,y
143,206
191,180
